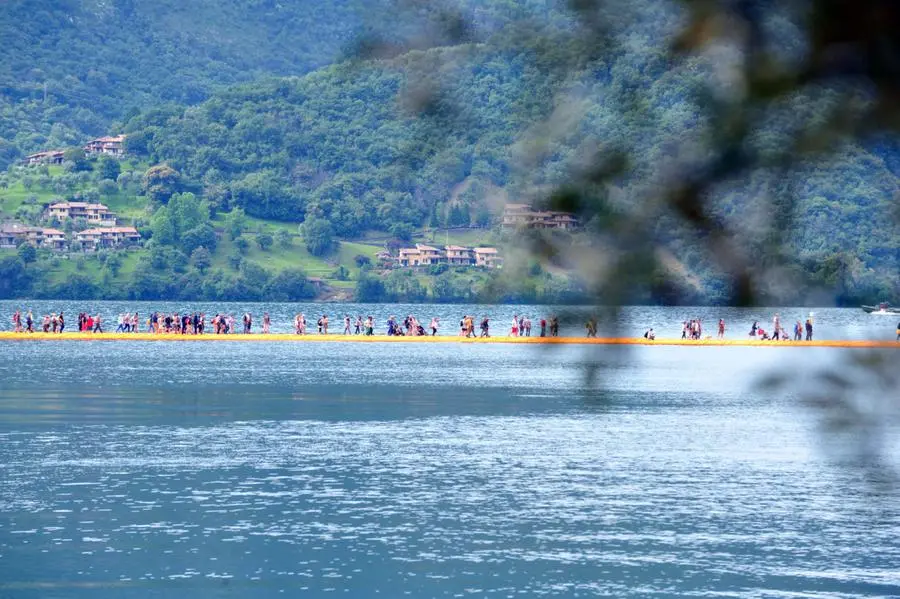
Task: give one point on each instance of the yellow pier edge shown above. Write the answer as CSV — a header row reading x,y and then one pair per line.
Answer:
x,y
288,337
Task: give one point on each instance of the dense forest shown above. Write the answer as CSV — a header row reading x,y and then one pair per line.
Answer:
x,y
345,113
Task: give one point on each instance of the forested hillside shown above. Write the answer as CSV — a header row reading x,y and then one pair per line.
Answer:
x,y
388,118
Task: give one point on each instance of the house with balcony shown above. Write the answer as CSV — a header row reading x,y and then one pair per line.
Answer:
x,y
111,146
93,214
487,257
108,237
53,239
14,234
47,157
421,255
459,256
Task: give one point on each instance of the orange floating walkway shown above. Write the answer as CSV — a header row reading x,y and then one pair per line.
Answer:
x,y
286,337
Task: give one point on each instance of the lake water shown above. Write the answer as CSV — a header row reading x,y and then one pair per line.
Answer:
x,y
251,470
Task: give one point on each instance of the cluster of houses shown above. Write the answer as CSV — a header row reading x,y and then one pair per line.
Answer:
x,y
110,146
454,255
103,231
521,216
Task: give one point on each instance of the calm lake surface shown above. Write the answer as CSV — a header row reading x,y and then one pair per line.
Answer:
x,y
248,470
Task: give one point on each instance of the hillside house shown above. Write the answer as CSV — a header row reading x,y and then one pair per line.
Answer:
x,y
13,234
487,257
53,239
93,214
459,256
521,216
48,157
111,146
108,237
421,255
424,255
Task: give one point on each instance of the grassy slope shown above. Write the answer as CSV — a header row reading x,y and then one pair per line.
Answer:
x,y
129,207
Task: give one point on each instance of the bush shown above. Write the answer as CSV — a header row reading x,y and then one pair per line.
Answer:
x,y
284,239
264,241
241,244
362,260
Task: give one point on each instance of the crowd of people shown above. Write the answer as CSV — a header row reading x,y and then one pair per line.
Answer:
x,y
195,323
693,329
224,324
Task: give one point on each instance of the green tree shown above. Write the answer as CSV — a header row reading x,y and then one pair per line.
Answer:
x,y
201,236
284,239
318,236
27,253
15,279
113,263
242,245
402,231
369,289
264,241
108,168
161,182
76,160
236,223
290,285
201,259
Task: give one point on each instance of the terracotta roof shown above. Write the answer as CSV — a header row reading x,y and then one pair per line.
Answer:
x,y
485,250
45,153
14,228
457,248
426,248
102,230
108,139
85,205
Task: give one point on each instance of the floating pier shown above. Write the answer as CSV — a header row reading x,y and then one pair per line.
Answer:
x,y
314,338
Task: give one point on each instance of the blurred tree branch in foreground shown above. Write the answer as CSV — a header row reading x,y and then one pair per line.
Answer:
x,y
778,90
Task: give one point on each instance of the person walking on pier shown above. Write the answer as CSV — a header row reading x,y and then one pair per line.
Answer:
x,y
721,328
543,327
591,326
434,326
62,323
485,327
347,324
98,326
358,325
809,329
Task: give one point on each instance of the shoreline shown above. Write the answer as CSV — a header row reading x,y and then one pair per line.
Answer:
x,y
335,338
